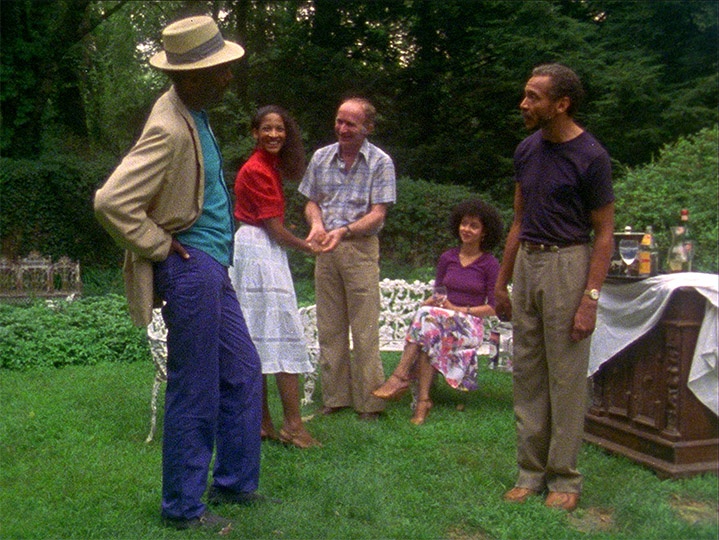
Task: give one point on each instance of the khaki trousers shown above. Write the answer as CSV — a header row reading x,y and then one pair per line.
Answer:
x,y
549,370
348,298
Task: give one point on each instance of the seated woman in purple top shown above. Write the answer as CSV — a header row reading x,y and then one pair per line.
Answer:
x,y
446,332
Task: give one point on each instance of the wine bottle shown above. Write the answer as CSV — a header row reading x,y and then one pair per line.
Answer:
x,y
644,255
688,242
681,250
653,252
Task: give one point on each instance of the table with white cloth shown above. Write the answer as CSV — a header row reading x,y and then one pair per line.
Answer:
x,y
653,373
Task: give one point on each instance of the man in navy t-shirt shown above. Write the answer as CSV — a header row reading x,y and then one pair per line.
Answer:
x,y
563,194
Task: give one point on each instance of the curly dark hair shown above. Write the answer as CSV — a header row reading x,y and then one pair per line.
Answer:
x,y
487,214
292,154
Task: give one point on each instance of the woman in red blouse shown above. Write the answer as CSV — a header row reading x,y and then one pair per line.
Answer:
x,y
260,272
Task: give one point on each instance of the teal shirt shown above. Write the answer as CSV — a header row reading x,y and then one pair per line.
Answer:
x,y
213,230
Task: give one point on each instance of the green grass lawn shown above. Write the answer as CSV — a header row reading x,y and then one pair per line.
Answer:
x,y
73,464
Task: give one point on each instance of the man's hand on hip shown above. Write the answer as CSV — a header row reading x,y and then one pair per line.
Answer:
x,y
178,248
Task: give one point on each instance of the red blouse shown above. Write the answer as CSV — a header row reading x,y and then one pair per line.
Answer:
x,y
258,189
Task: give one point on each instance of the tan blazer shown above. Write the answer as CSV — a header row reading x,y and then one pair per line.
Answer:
x,y
155,192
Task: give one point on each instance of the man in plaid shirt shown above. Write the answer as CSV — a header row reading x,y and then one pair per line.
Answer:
x,y
350,185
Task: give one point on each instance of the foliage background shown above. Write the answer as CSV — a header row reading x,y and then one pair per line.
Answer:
x,y
58,220
684,175
446,76
84,332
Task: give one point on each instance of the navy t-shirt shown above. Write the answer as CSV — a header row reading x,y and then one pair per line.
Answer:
x,y
561,184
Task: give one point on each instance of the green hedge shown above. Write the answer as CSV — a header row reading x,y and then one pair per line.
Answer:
x,y
416,231
47,207
417,228
86,331
684,175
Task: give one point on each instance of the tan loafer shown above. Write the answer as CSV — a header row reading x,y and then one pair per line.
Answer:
x,y
519,494
562,500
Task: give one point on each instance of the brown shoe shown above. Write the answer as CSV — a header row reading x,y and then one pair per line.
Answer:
x,y
519,494
394,388
562,500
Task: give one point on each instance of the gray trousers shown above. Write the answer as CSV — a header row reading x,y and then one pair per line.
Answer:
x,y
549,370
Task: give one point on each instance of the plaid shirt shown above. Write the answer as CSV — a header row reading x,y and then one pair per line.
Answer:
x,y
345,197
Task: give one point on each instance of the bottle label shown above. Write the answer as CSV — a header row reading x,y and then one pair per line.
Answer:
x,y
645,263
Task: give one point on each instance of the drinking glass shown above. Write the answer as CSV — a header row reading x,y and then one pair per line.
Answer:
x,y
628,252
439,294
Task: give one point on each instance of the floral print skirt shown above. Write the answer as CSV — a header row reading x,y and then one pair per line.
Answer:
x,y
450,339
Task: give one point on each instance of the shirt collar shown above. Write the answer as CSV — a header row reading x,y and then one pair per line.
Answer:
x,y
363,150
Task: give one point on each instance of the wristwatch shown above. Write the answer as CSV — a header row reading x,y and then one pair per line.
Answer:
x,y
592,293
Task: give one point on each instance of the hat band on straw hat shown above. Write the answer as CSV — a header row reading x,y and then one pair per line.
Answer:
x,y
194,43
199,53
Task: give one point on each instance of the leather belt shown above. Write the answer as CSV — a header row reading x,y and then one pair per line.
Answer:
x,y
529,246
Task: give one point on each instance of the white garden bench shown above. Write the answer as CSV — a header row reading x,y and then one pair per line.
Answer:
x,y
399,300
37,276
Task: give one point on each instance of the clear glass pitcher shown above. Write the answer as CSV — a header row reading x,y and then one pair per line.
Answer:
x,y
681,251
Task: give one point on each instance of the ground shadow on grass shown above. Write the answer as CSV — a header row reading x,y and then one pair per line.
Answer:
x,y
601,520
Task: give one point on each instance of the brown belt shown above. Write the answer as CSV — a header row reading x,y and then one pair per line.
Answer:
x,y
529,246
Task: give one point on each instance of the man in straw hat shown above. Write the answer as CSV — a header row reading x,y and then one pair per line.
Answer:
x,y
168,205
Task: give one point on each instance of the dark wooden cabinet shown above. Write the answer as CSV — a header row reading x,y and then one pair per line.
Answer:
x,y
640,405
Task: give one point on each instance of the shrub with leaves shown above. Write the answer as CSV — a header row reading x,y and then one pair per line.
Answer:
x,y
86,331
416,231
684,175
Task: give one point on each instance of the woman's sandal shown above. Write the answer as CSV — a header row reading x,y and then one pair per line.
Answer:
x,y
421,411
300,439
394,388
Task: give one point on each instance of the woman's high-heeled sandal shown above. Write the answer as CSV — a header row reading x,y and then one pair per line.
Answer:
x,y
394,388
421,411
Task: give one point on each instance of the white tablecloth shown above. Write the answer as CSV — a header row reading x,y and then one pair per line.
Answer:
x,y
628,310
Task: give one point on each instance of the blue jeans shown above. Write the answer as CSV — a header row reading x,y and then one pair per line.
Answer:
x,y
214,385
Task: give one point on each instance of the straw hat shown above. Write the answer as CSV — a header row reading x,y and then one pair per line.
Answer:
x,y
194,43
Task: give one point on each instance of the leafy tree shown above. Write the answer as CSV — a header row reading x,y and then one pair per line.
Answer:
x,y
47,206
658,74
42,71
446,76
